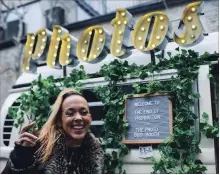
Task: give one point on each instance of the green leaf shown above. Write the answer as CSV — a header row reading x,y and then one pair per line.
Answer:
x,y
196,95
210,75
205,116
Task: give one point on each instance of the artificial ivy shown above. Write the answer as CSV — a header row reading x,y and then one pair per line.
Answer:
x,y
178,156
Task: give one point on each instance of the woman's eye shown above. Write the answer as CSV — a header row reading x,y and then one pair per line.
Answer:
x,y
84,112
69,113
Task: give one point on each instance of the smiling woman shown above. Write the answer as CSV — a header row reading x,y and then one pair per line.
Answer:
x,y
64,144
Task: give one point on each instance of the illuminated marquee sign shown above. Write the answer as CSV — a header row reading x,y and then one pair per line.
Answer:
x,y
150,33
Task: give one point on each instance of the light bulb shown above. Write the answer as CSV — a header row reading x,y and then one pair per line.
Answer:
x,y
157,37
193,9
161,18
161,27
189,18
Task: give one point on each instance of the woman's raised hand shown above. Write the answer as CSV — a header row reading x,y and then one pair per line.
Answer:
x,y
26,138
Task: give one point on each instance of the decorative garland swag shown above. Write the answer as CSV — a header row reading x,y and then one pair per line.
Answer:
x,y
178,156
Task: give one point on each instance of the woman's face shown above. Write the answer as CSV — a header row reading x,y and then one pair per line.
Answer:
x,y
76,118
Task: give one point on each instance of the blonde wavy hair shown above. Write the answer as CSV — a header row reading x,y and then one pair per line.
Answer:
x,y
47,136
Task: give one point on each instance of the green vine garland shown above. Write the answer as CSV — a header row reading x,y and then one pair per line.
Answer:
x,y
178,156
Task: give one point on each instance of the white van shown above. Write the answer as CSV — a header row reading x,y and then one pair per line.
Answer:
x,y
132,162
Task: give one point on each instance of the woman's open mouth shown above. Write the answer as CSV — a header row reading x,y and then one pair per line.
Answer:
x,y
77,128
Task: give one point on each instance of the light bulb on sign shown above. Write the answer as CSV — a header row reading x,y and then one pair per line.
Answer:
x,y
157,33
123,24
93,49
57,34
192,26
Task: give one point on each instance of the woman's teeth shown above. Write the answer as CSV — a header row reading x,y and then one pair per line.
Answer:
x,y
77,127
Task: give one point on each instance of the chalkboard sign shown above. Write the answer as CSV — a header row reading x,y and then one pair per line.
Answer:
x,y
150,118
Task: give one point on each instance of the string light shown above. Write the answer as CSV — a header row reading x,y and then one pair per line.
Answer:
x,y
27,68
125,22
54,55
98,48
43,33
38,55
153,45
118,51
67,61
141,47
56,47
157,37
193,27
83,50
43,39
85,42
100,31
90,33
101,40
31,45
123,14
59,31
94,56
161,18
30,52
192,36
68,46
142,29
68,39
53,63
139,38
42,47
161,27
67,54
119,42
189,18
119,22
32,37
58,39
148,19
120,32
193,9
183,41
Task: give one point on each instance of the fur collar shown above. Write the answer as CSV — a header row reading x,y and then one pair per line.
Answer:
x,y
87,159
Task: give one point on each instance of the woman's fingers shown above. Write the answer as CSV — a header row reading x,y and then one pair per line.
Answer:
x,y
29,135
26,128
28,139
25,141
35,132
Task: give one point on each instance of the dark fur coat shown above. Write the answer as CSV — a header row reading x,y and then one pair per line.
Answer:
x,y
86,159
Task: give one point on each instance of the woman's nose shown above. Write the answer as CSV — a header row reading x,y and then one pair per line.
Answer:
x,y
78,117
